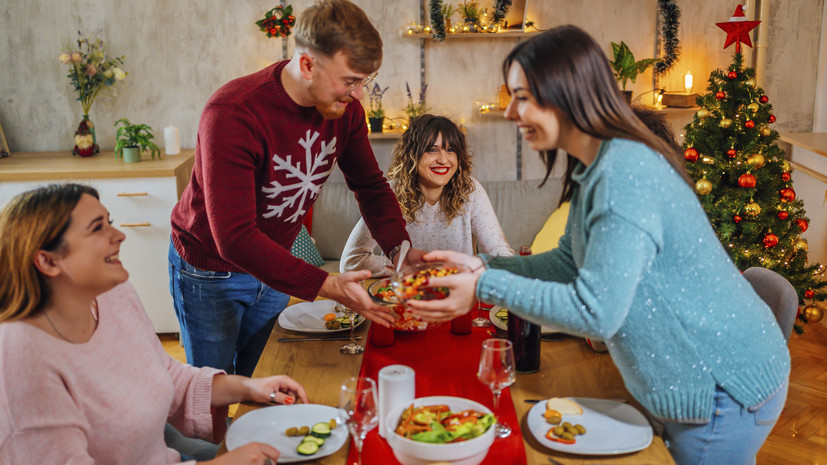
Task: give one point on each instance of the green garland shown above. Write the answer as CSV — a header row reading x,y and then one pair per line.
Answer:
x,y
437,21
669,31
500,10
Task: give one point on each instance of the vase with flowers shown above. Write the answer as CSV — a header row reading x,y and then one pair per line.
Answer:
x,y
376,113
414,109
91,69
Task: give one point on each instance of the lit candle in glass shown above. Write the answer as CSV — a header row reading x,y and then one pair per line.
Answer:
x,y
687,81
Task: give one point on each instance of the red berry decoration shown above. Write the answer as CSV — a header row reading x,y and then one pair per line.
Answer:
x,y
731,153
764,99
771,119
785,176
809,294
782,215
720,95
770,240
736,219
749,124
732,75
691,154
747,180
787,194
802,224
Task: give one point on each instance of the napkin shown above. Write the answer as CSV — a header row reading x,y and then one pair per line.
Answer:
x,y
396,386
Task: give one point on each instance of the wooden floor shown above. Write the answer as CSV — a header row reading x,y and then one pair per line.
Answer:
x,y
799,437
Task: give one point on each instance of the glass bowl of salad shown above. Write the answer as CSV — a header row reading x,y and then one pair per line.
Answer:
x,y
413,282
440,429
382,293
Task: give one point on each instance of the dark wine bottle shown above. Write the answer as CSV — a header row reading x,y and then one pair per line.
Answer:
x,y
525,336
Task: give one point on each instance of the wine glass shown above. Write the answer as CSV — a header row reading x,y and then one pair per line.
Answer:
x,y
497,372
480,321
351,347
359,408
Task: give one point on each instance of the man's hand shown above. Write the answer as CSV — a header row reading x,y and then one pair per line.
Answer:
x,y
346,288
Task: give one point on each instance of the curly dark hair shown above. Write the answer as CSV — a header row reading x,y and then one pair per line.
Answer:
x,y
419,137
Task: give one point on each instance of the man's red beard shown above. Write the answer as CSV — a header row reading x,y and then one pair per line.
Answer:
x,y
328,110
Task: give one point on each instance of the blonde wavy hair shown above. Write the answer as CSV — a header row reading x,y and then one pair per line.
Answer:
x,y
418,138
32,221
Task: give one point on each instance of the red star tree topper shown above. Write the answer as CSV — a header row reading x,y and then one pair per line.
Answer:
x,y
737,29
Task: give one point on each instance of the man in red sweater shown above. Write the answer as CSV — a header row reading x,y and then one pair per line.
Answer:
x,y
266,144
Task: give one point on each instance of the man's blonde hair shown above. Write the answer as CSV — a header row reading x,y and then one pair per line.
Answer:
x,y
331,26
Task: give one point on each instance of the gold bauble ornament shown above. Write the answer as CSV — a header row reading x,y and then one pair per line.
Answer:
x,y
800,246
813,314
752,209
702,113
756,160
753,107
703,186
785,166
725,123
707,160
750,82
766,132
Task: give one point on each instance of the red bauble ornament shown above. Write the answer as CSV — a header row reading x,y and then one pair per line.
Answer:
x,y
782,215
749,124
785,176
770,240
787,194
691,154
746,180
771,119
764,99
732,75
802,224
731,153
809,294
736,219
720,95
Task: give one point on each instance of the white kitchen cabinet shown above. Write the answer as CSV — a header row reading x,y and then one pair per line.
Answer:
x,y
139,197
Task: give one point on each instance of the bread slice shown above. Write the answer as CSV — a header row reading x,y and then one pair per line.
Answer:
x,y
564,405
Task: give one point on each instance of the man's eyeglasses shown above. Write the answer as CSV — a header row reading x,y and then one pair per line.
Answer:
x,y
350,84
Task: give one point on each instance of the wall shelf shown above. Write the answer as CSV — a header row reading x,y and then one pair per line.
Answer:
x,y
473,35
386,135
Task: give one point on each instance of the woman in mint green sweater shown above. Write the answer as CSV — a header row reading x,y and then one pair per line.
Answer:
x,y
639,265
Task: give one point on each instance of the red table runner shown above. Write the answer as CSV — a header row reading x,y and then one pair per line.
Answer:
x,y
445,365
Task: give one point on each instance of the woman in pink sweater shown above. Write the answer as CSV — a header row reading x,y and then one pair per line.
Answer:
x,y
83,377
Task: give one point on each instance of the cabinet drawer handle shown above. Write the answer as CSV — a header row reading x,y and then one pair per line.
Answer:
x,y
135,225
132,194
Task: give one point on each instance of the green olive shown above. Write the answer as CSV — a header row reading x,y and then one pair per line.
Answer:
x,y
333,324
304,431
292,431
332,424
558,430
568,436
580,429
566,424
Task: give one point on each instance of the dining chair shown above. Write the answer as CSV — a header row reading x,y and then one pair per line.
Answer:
x,y
778,293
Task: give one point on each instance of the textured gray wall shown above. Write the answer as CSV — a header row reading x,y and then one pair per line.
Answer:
x,y
179,52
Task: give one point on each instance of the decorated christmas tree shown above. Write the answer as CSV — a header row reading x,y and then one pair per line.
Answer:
x,y
743,181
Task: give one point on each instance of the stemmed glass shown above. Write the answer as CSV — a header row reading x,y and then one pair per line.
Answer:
x,y
480,321
358,408
351,347
497,372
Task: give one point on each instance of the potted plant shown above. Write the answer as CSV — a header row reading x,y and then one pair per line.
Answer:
x,y
626,68
376,113
414,109
132,140
447,11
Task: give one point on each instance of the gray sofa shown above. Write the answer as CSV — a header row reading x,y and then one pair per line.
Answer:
x,y
521,207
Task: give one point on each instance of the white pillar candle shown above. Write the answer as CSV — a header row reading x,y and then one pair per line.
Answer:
x,y
396,386
172,145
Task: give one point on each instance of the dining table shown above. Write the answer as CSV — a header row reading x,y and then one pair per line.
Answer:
x,y
569,367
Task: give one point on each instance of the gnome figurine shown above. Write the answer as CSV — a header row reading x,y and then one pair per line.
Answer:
x,y
85,145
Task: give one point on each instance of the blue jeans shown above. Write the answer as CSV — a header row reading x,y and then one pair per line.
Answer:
x,y
225,317
733,436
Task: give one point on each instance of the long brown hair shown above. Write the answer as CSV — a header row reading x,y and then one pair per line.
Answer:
x,y
32,221
566,69
419,137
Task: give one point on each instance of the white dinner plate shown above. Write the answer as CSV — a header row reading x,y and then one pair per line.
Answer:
x,y
503,326
268,425
306,317
611,428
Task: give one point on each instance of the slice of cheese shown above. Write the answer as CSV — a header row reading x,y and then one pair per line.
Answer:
x,y
564,405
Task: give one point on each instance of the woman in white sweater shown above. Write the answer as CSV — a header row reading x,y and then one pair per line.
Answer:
x,y
446,209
